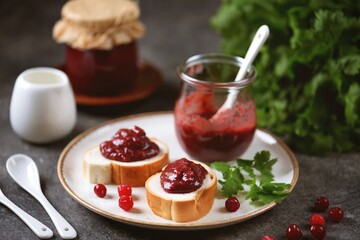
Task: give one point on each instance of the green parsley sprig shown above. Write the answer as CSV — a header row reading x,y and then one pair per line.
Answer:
x,y
264,190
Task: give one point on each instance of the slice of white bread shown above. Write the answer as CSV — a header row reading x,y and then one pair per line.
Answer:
x,y
98,169
181,207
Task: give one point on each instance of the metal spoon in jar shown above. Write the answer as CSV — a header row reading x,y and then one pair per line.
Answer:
x,y
37,227
25,173
256,44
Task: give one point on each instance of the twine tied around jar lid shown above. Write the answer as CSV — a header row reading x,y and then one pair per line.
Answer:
x,y
98,24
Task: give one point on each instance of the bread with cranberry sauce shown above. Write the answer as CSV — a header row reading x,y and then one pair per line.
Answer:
x,y
180,201
128,158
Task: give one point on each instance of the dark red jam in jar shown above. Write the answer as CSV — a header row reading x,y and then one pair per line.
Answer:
x,y
207,131
101,53
102,72
182,176
129,145
222,139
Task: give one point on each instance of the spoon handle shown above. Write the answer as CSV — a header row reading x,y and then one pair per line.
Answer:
x,y
65,230
37,227
258,41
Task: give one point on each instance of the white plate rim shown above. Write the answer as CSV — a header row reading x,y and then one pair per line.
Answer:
x,y
164,226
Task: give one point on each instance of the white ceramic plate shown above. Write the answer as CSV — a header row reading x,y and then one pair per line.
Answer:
x,y
161,126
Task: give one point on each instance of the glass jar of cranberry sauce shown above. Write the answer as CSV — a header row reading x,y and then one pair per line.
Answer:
x,y
206,132
101,45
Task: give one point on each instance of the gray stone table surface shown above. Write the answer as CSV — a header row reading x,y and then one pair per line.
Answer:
x,y
176,30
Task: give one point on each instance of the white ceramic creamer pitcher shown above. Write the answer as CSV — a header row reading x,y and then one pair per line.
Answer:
x,y
42,107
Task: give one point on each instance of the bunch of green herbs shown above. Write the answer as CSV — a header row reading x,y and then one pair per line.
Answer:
x,y
258,175
308,84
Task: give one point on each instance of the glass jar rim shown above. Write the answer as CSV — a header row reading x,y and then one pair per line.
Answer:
x,y
218,57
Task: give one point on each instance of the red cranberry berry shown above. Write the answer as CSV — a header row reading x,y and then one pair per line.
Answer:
x,y
100,190
124,189
293,232
321,203
317,219
336,214
318,231
269,237
126,202
232,204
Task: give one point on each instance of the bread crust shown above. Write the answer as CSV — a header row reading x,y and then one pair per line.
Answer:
x,y
134,174
182,210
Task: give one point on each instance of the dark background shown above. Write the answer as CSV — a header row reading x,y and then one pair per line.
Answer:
x,y
176,30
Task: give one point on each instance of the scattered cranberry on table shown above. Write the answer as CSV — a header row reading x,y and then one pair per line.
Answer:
x,y
293,232
317,219
318,231
321,203
268,238
336,214
124,190
232,204
100,190
126,202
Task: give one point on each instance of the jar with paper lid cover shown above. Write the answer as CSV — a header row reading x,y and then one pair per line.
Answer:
x,y
101,51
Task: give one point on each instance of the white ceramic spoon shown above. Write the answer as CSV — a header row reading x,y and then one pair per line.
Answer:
x,y
25,173
37,227
256,44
